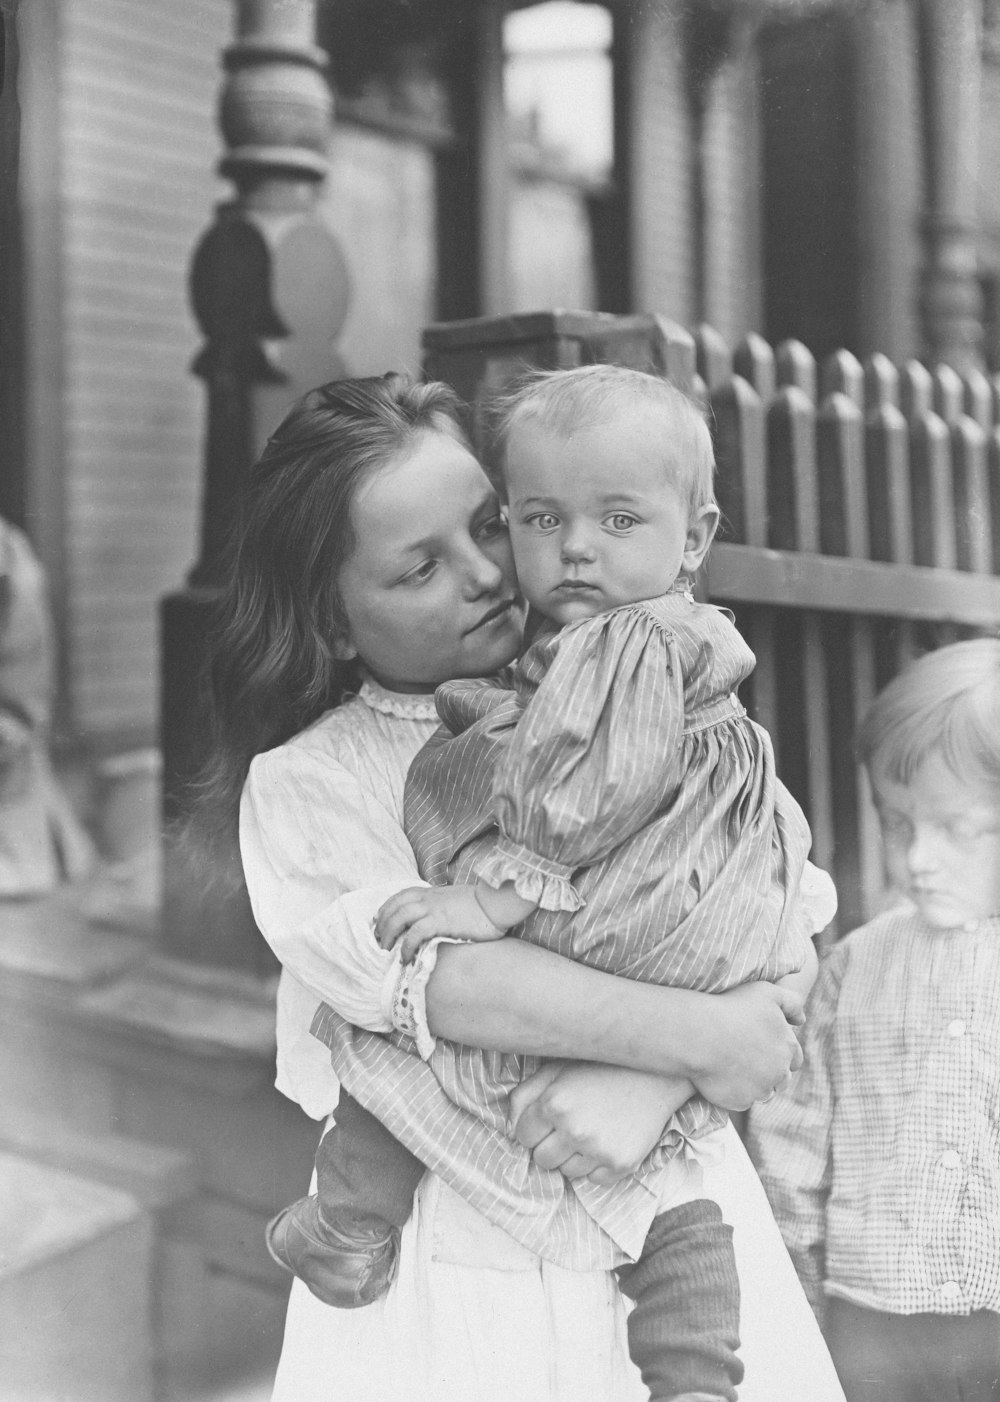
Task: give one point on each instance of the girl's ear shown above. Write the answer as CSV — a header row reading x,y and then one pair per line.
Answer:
x,y
700,534
342,648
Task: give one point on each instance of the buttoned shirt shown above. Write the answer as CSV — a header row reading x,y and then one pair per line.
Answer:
x,y
882,1161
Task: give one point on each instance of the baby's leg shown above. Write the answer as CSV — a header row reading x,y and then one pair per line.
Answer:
x,y
684,1330
344,1241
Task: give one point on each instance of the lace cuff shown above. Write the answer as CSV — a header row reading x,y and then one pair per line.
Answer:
x,y
536,879
817,897
409,996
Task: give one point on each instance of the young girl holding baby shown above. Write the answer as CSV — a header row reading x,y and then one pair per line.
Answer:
x,y
369,533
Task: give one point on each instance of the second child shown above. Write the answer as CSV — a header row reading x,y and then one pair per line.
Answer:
x,y
882,1162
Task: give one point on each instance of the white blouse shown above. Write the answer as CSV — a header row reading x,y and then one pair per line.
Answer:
x,y
321,833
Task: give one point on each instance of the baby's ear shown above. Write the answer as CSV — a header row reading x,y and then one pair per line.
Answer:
x,y
700,533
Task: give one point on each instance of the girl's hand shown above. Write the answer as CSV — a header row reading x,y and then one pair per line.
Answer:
x,y
420,913
593,1121
749,1048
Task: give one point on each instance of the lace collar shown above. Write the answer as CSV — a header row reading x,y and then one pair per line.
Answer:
x,y
402,705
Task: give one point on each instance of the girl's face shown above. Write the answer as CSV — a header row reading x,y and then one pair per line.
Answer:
x,y
596,517
429,590
942,843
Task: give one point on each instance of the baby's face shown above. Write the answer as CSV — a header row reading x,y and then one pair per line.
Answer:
x,y
942,843
596,517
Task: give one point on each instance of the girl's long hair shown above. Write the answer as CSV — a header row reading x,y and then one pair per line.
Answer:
x,y
272,669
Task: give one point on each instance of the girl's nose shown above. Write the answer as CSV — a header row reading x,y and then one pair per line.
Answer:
x,y
484,575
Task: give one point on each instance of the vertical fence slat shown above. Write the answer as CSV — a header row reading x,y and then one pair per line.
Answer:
x,y
977,398
933,499
753,359
794,365
739,432
881,381
890,514
973,513
791,488
713,357
949,393
802,703
843,517
916,389
842,374
673,352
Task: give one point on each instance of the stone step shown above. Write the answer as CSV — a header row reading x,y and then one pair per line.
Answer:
x,y
75,1307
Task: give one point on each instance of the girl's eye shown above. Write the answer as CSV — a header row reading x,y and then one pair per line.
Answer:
x,y
421,574
622,521
495,526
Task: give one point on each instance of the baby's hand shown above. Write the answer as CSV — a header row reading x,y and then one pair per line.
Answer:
x,y
420,913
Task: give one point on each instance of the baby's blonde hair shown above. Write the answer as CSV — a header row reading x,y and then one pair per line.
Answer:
x,y
563,401
946,703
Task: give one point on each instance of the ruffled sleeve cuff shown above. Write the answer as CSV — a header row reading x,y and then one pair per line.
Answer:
x,y
536,879
408,997
817,897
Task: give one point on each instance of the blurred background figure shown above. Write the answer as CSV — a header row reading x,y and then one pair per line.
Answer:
x,y
42,841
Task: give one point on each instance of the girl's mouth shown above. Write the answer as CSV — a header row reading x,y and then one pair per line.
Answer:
x,y
500,610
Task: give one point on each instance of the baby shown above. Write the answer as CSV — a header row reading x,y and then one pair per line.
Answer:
x,y
612,800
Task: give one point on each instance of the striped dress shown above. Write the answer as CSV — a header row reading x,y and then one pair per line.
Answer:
x,y
618,782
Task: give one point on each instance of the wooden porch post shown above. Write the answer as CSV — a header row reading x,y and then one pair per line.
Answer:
x,y
269,289
951,302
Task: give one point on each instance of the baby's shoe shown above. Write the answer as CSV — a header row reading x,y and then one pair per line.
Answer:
x,y
347,1265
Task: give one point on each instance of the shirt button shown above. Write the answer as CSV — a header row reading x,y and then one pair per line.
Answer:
x,y
951,1290
956,1028
951,1158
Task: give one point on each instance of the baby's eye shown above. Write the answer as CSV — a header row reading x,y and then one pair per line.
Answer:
x,y
622,521
543,521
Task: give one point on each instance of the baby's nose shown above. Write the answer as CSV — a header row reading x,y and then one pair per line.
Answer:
x,y
577,546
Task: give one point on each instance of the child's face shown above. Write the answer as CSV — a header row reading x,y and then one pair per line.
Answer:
x,y
429,589
596,519
942,843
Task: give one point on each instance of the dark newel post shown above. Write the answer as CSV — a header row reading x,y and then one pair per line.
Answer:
x,y
951,62
269,289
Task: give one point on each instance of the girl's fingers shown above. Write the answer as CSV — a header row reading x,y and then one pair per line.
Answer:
x,y
531,1126
551,1152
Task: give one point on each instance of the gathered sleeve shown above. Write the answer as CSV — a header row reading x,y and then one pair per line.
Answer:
x,y
321,854
593,756
790,1135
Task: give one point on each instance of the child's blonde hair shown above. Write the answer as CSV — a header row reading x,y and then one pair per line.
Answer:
x,y
563,401
947,703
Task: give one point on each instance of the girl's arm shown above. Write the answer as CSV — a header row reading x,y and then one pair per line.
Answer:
x,y
321,854
733,1047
